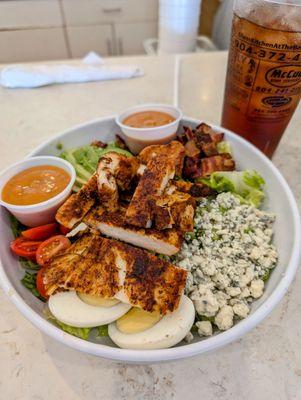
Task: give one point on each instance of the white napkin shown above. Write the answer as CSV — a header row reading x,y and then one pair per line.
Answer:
x,y
91,68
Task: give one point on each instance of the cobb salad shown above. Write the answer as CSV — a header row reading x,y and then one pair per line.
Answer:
x,y
154,248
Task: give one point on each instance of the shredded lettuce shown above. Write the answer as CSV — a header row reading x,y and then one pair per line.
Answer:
x,y
29,281
27,264
85,159
248,185
16,226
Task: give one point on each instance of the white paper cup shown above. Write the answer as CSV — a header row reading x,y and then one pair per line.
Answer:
x,y
179,25
179,12
173,35
139,138
44,212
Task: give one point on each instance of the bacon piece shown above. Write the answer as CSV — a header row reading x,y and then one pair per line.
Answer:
x,y
99,143
192,167
119,142
191,149
221,162
202,139
207,139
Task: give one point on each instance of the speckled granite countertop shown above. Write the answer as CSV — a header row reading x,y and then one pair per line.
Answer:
x,y
264,365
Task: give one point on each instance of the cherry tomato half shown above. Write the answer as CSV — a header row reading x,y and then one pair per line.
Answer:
x,y
50,247
23,247
40,283
41,232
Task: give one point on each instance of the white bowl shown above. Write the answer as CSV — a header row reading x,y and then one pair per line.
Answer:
x,y
44,212
138,138
287,239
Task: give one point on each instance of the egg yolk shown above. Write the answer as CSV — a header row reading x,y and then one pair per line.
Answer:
x,y
137,320
97,301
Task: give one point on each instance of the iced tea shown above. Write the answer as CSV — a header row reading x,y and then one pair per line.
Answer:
x,y
263,85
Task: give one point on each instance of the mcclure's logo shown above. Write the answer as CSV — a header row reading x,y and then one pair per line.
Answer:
x,y
276,101
284,76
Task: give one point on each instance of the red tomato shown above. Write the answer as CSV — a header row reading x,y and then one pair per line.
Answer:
x,y
40,283
64,230
23,247
50,247
41,232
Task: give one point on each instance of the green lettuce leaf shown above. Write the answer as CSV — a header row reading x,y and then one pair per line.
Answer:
x,y
119,150
29,281
85,159
88,157
224,147
102,330
27,264
82,333
16,226
248,185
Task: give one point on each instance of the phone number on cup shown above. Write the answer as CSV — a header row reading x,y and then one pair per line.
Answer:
x,y
268,55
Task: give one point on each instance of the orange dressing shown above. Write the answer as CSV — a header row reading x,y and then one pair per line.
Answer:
x,y
35,185
148,119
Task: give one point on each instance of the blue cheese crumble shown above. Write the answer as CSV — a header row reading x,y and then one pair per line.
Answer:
x,y
228,256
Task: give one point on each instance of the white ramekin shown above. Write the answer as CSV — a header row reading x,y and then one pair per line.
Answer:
x,y
44,212
138,138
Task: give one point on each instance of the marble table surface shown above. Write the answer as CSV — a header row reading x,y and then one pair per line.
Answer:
x,y
263,365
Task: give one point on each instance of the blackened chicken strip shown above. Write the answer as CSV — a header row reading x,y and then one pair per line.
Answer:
x,y
196,190
115,172
176,210
175,151
78,204
108,268
113,224
159,170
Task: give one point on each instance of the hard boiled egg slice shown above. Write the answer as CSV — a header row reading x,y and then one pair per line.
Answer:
x,y
166,332
69,308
